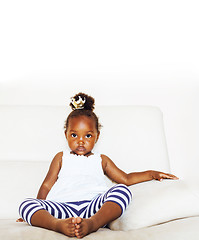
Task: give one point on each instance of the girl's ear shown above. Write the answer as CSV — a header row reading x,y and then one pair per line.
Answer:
x,y
97,136
65,134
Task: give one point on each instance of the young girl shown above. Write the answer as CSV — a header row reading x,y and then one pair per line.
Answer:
x,y
74,198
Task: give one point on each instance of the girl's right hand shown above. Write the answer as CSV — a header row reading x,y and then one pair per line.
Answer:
x,y
20,220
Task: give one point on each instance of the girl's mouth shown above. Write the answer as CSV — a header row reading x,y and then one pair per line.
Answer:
x,y
81,149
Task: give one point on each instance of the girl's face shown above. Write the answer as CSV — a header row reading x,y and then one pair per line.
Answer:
x,y
81,135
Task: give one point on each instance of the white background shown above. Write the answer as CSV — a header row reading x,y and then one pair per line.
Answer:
x,y
120,52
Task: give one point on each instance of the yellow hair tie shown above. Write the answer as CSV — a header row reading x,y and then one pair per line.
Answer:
x,y
79,104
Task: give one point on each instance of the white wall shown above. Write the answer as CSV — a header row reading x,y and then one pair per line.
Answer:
x,y
121,52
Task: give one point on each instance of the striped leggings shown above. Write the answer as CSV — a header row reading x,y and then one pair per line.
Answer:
x,y
119,194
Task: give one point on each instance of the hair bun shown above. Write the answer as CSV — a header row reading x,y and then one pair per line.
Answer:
x,y
82,101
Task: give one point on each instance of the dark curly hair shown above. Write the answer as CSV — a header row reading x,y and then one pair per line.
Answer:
x,y
87,110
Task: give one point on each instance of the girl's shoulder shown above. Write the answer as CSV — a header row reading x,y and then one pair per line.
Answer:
x,y
58,156
105,160
57,160
104,157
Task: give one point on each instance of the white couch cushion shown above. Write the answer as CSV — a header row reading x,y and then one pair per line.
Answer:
x,y
156,202
19,180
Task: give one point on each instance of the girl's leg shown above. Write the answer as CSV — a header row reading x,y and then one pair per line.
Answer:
x,y
43,219
104,209
107,213
49,215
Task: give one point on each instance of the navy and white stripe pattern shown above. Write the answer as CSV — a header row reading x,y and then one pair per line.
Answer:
x,y
120,194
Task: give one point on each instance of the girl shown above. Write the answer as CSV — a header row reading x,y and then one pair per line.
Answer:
x,y
74,199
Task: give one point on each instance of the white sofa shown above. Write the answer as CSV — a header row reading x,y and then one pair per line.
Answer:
x,y
132,136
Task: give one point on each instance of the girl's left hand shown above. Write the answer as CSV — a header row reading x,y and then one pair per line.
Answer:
x,y
160,176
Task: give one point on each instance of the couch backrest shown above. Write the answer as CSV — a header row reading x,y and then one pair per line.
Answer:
x,y
132,136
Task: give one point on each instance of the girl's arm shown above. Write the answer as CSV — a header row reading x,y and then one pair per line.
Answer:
x,y
51,176
118,176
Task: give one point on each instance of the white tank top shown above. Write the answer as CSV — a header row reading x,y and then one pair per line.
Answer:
x,y
80,178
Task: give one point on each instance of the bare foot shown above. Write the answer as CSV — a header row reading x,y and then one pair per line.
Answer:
x,y
84,227
20,220
66,226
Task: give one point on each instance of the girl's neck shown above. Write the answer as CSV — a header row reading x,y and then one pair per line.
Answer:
x,y
86,155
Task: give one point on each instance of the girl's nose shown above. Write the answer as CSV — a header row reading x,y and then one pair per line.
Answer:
x,y
81,140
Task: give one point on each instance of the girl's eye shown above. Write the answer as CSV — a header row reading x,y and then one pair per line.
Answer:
x,y
73,135
88,136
